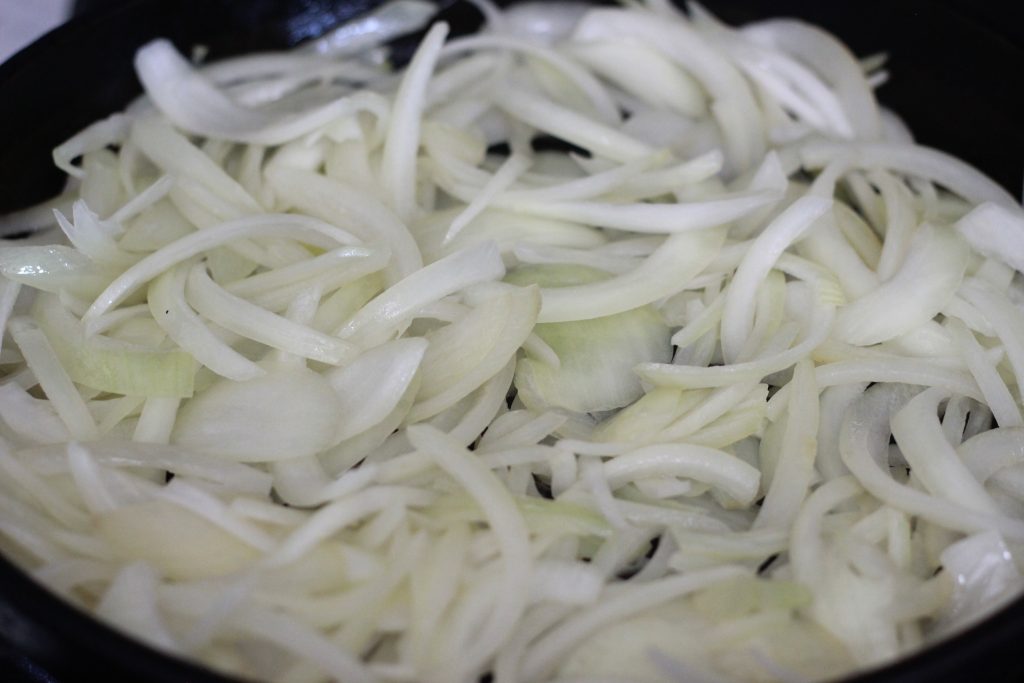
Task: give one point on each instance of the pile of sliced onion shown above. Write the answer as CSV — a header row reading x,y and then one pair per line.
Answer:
x,y
606,344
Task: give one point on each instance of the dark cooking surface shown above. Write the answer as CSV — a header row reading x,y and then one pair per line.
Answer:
x,y
16,667
956,79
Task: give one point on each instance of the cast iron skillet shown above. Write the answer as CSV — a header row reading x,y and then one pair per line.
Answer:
x,y
955,79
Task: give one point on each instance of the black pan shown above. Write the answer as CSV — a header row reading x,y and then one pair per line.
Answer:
x,y
956,79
